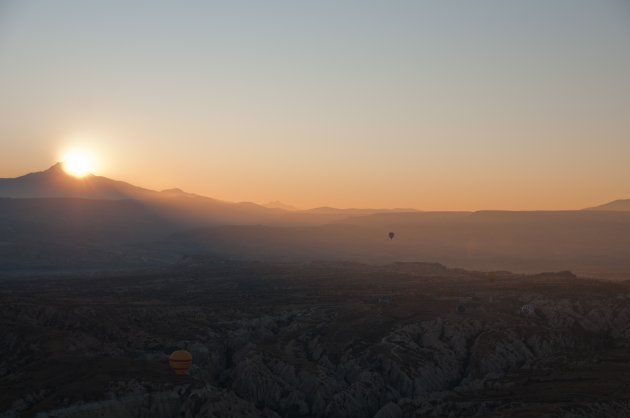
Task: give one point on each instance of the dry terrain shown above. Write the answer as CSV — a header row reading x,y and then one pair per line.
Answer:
x,y
316,339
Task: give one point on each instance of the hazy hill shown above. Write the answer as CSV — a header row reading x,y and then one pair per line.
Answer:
x,y
326,210
591,243
622,205
276,204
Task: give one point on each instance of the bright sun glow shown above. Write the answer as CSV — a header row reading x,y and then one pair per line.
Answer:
x,y
77,163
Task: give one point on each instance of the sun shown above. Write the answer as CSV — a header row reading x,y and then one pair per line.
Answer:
x,y
77,163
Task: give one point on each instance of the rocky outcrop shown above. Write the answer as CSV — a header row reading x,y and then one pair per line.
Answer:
x,y
343,355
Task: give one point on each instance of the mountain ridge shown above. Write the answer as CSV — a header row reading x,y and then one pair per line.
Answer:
x,y
56,183
622,205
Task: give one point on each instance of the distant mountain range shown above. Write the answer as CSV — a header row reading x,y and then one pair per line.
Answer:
x,y
56,183
50,220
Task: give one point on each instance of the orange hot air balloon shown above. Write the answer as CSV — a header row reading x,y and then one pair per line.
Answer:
x,y
180,361
391,235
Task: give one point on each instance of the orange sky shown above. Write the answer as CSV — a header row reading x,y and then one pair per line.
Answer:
x,y
497,105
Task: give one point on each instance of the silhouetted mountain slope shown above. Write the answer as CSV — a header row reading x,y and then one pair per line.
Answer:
x,y
622,205
67,216
92,219
76,233
55,182
172,203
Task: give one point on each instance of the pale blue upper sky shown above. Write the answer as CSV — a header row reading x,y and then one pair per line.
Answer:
x,y
431,104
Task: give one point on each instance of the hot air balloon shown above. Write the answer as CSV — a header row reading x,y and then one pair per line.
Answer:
x,y
180,361
391,235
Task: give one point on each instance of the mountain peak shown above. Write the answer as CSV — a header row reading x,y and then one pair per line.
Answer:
x,y
57,168
55,182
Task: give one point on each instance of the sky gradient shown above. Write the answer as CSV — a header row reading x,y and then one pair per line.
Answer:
x,y
436,105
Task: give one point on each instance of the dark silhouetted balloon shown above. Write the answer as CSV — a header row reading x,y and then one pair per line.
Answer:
x,y
391,235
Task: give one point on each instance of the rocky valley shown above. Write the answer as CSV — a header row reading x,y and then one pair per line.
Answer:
x,y
319,339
